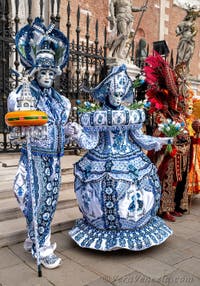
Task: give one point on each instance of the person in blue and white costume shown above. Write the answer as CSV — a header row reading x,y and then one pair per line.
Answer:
x,y
37,46
117,186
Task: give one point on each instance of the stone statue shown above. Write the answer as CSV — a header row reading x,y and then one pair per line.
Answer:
x,y
187,31
121,22
141,52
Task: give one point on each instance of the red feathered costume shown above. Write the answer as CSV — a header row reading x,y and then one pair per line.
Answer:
x,y
167,103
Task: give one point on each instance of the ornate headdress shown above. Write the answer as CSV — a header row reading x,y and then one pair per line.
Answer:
x,y
163,91
42,47
117,79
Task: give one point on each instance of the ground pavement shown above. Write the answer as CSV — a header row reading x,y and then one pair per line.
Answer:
x,y
175,262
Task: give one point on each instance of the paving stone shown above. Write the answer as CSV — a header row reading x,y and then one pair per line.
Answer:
x,y
22,275
150,267
189,218
70,273
7,171
67,161
24,256
191,265
99,282
194,251
183,230
104,264
7,258
180,278
196,238
63,241
180,243
168,255
195,206
137,279
191,223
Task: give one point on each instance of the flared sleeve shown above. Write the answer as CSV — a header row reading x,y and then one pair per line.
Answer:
x,y
148,142
88,139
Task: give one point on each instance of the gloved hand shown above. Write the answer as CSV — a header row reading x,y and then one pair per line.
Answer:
x,y
166,140
163,141
73,130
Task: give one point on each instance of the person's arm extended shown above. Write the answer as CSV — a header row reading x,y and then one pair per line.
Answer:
x,y
148,142
87,140
138,9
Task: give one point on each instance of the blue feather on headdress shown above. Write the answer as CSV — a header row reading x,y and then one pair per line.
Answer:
x,y
34,43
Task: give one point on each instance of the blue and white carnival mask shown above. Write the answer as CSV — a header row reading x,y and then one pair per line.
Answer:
x,y
45,78
116,87
115,99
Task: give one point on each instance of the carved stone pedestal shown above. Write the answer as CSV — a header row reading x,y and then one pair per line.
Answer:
x,y
132,69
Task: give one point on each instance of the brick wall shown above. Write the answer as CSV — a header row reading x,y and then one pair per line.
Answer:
x,y
96,10
153,20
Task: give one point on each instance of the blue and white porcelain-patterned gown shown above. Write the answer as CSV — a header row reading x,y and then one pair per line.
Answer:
x,y
46,155
116,185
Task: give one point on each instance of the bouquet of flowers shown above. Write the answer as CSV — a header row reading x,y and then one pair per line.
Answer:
x,y
139,80
86,106
139,104
171,129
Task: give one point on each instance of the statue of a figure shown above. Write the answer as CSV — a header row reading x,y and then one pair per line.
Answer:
x,y
121,22
187,31
141,52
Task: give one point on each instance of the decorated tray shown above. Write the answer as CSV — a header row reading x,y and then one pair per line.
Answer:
x,y
26,118
112,118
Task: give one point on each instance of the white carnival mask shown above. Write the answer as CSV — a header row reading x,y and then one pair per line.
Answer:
x,y
45,78
117,89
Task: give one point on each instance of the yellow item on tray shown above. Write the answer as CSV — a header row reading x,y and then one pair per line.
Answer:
x,y
26,118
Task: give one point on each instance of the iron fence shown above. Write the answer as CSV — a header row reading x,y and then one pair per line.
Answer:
x,y
86,63
87,59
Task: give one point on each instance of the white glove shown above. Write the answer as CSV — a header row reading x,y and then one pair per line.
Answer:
x,y
166,140
163,141
73,130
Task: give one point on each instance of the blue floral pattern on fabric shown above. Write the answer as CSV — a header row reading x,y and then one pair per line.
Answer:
x,y
153,233
45,162
117,188
47,200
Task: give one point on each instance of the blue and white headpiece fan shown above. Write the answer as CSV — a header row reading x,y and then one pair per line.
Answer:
x,y
117,79
42,47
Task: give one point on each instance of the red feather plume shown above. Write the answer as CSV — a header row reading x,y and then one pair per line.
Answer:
x,y
163,85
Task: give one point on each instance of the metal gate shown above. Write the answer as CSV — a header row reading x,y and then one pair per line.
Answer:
x,y
87,62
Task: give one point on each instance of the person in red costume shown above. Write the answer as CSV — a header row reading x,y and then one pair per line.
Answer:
x,y
168,102
193,122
